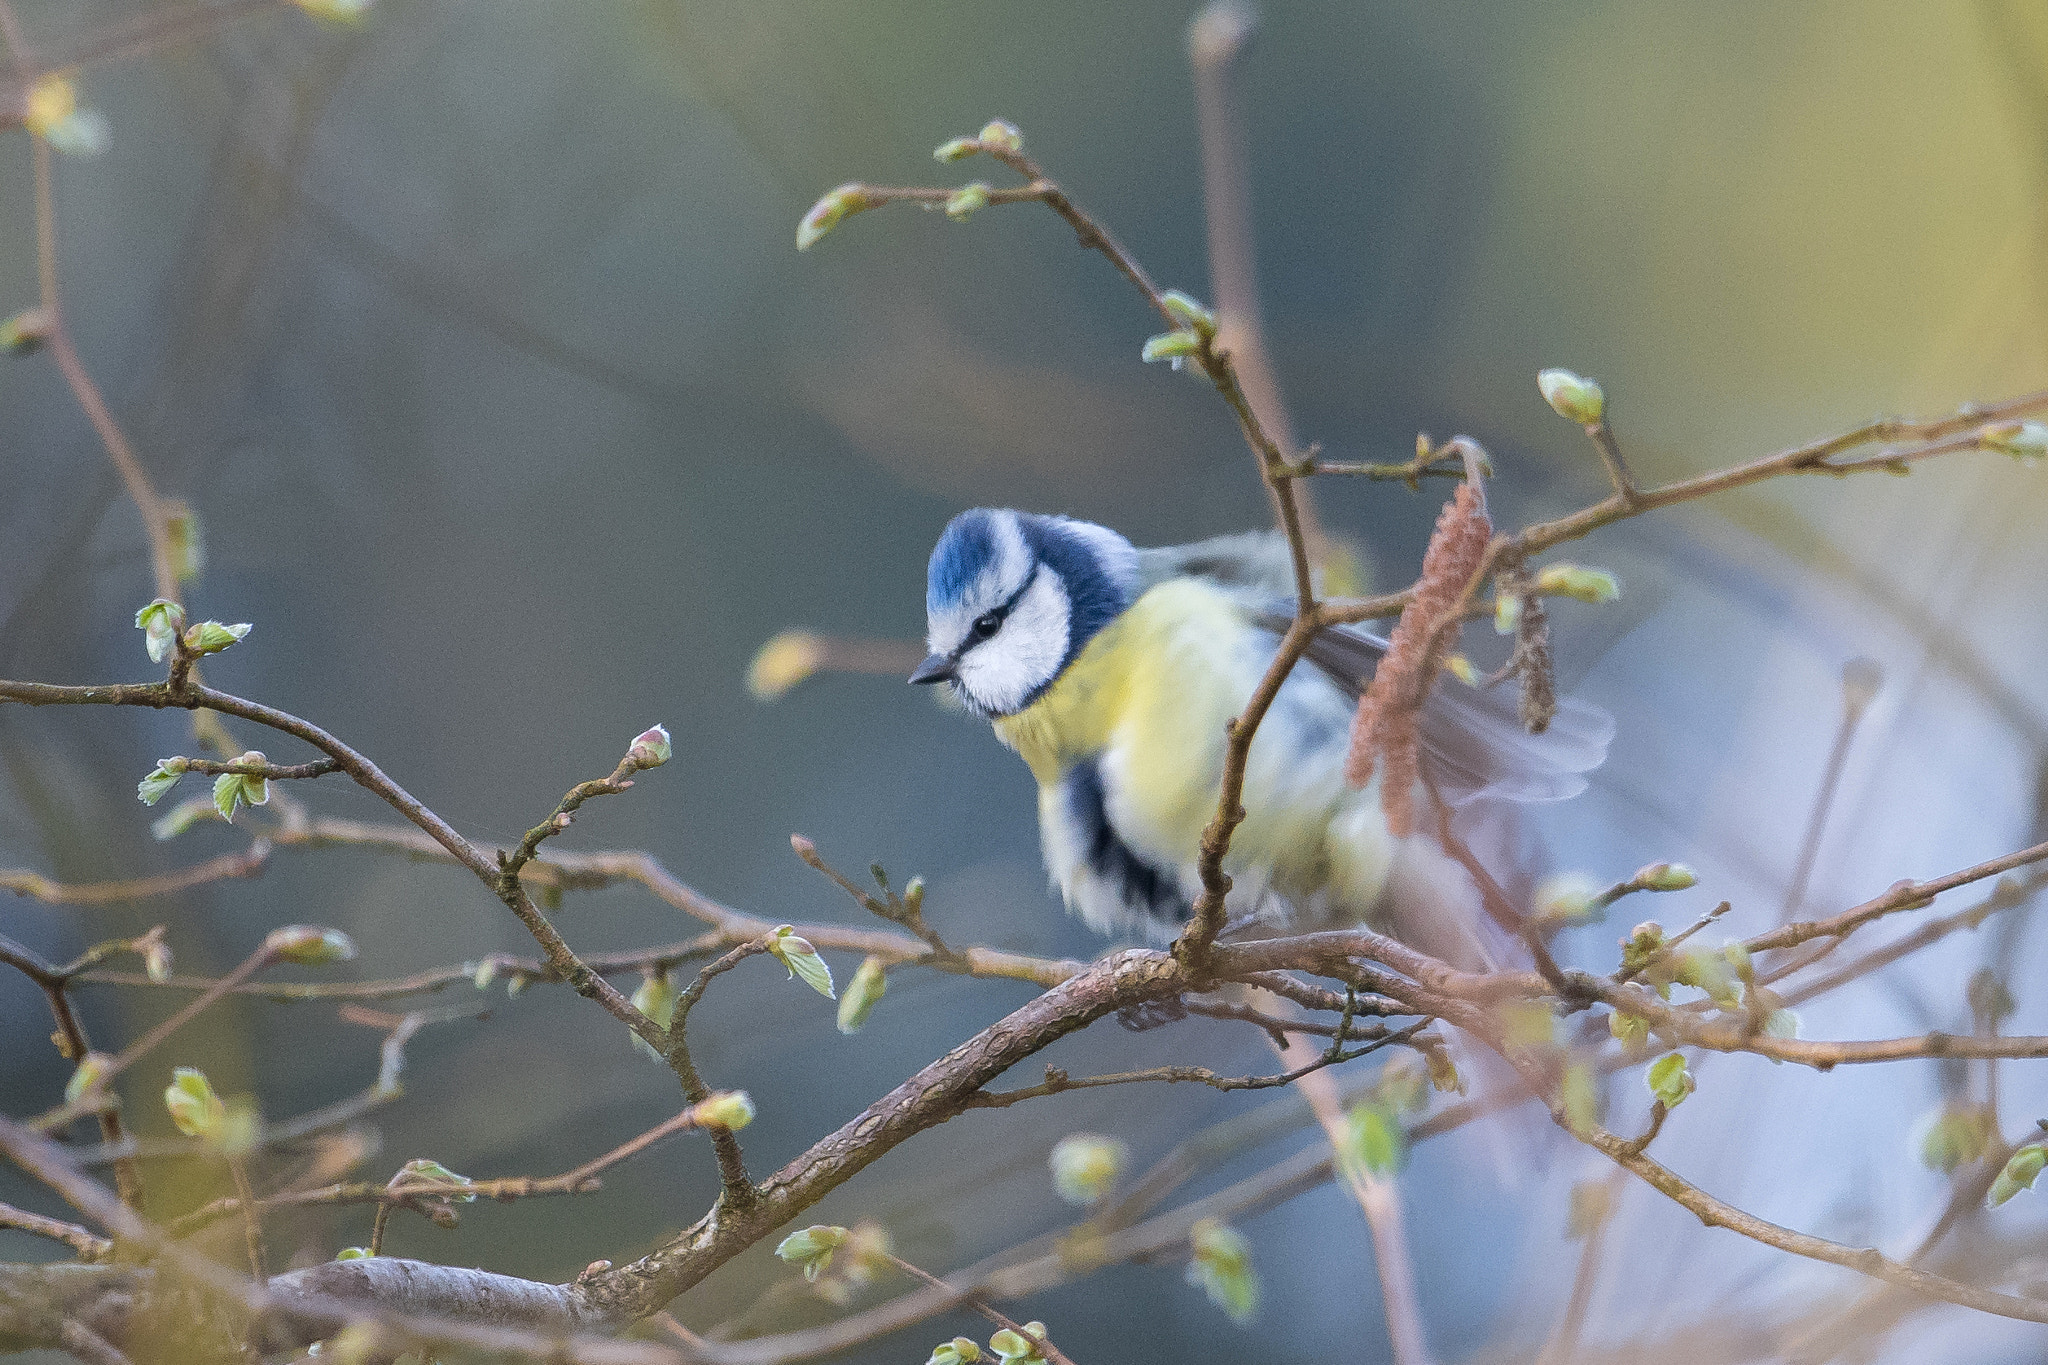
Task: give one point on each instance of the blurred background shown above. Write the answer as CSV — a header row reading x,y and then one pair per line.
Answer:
x,y
476,337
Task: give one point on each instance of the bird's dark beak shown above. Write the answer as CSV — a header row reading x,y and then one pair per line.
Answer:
x,y
936,668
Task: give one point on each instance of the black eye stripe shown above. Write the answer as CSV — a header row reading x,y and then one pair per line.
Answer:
x,y
1001,612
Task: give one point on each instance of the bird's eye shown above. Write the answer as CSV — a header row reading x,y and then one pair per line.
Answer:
x,y
987,624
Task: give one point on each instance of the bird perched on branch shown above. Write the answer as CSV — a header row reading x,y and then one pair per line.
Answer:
x,y
1114,671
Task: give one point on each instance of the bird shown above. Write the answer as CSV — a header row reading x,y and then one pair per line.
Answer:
x,y
1113,672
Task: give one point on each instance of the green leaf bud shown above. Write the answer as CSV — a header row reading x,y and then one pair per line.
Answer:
x,y
1781,1023
1222,1268
655,998
160,623
310,945
25,332
352,1254
826,214
156,956
863,993
1711,971
812,1248
241,789
967,201
1443,1072
2019,1173
956,149
195,1109
1669,1081
958,1351
2024,441
797,954
485,973
651,748
1566,898
786,660
1507,613
1189,312
1956,1135
1173,347
1629,1030
87,1077
727,1109
861,1258
160,779
1019,1348
1642,947
211,637
1002,135
1666,877
1577,581
1374,1141
1085,1166
53,114
913,895
1573,396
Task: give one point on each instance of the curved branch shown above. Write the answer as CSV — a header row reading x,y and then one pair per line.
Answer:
x,y
933,1095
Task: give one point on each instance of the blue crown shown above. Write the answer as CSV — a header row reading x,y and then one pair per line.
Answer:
x,y
1096,567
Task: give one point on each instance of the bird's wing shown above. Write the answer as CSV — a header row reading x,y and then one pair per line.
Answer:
x,y
1472,738
1255,560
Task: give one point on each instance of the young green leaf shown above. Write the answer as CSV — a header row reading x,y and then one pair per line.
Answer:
x,y
1374,1141
811,1248
2019,1173
160,779
655,998
195,1109
1669,1081
1085,1166
1222,1268
863,993
1573,396
160,623
797,954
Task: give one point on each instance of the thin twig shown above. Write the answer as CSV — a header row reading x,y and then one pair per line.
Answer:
x,y
1858,690
72,1042
1564,1339
1058,1082
1052,1352
91,1249
195,695
739,1191
1379,1200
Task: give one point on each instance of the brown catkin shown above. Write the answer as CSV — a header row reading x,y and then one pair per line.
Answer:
x,y
1531,663
1385,726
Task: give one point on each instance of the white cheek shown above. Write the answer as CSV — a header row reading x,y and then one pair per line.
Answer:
x,y
999,674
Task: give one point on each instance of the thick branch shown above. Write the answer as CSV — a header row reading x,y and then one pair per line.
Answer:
x,y
935,1094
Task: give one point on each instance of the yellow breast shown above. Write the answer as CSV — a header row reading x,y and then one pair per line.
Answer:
x,y
1136,677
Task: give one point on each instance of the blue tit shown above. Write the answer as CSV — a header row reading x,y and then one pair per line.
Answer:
x,y
1113,671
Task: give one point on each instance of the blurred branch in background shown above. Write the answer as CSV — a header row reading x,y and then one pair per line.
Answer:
x,y
1217,38
144,1274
